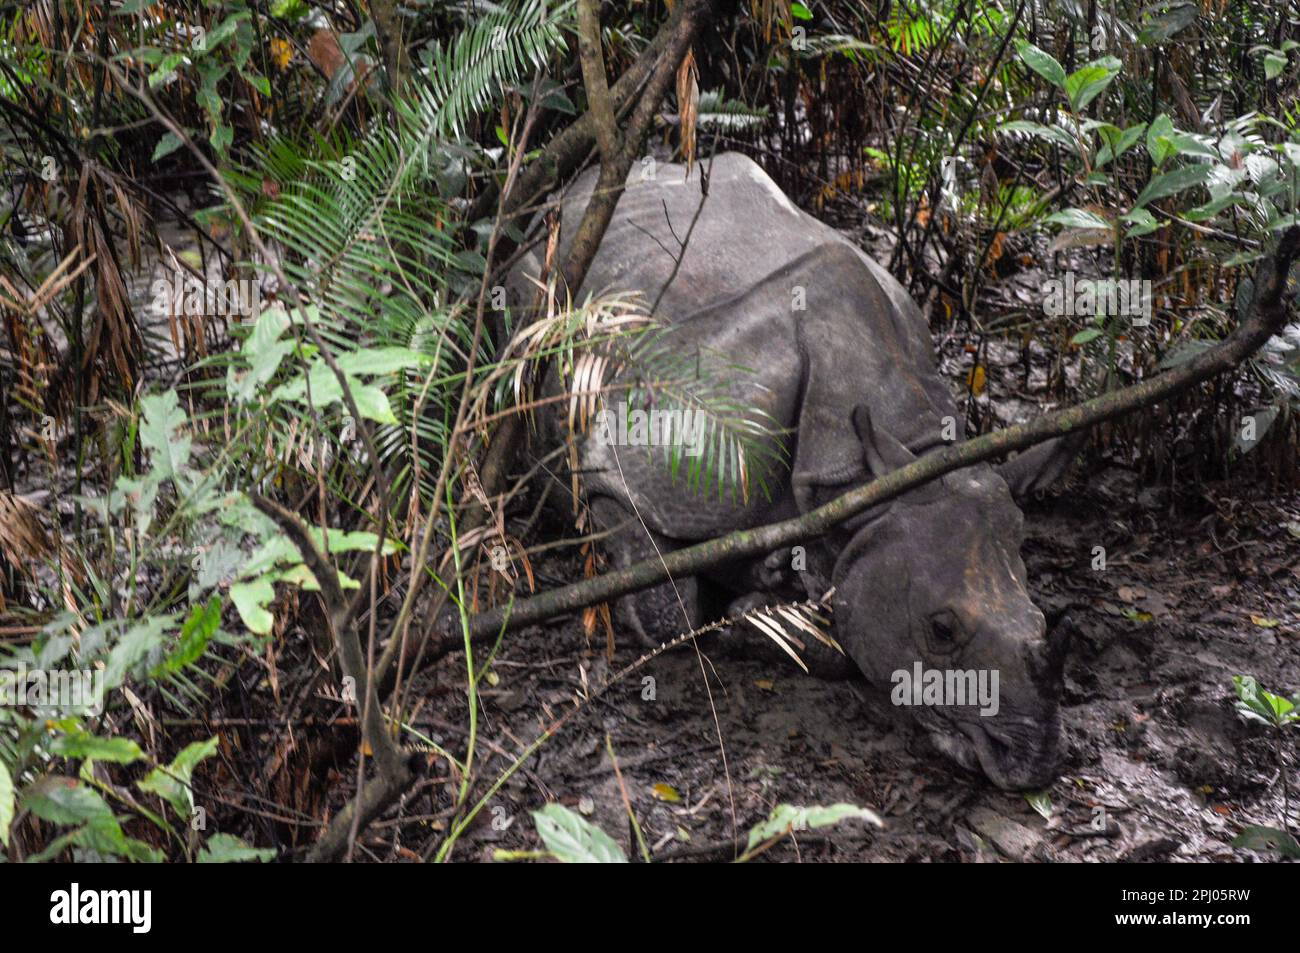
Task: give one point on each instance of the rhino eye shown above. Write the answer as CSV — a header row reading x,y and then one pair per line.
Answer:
x,y
945,632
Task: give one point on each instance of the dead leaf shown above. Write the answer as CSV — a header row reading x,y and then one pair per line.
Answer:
x,y
666,793
688,105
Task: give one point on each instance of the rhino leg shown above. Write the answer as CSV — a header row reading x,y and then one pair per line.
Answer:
x,y
654,615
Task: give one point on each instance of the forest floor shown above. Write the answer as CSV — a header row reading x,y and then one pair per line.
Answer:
x,y
1195,590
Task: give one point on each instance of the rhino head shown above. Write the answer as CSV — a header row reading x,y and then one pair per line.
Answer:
x,y
932,584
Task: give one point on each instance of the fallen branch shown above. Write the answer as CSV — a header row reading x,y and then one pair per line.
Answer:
x,y
1267,316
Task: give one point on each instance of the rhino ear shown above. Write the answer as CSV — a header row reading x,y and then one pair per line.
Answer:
x,y
1041,466
880,450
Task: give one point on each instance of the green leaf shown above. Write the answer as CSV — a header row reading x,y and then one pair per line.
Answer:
x,y
381,360
1264,419
800,12
787,817
1086,335
1042,63
82,744
1142,221
224,30
160,434
196,632
222,137
264,351
1053,133
7,801
168,144
64,800
1159,146
1118,145
251,599
1078,218
1087,82
165,69
134,644
574,840
226,849
372,403
1274,64
172,783
1171,183
1268,838
1160,29
1041,802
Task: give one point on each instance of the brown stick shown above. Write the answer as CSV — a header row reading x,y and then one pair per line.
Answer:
x,y
1267,316
566,151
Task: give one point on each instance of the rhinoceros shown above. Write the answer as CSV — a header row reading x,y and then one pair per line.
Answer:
x,y
835,354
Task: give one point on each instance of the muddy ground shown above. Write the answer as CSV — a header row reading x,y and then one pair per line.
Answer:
x,y
1199,585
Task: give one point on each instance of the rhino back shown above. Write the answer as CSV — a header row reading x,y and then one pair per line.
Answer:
x,y
751,260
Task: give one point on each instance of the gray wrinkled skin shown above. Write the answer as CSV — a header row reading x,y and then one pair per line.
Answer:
x,y
934,576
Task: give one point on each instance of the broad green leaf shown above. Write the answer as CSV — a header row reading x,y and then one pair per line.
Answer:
x,y
1078,218
1264,419
165,69
1087,82
168,144
62,800
372,403
172,783
1160,29
224,30
320,388
82,744
800,12
1118,145
1053,133
575,840
1142,222
1086,335
1042,63
264,351
1274,64
161,434
1268,838
134,644
251,599
1171,183
227,849
381,360
1158,134
222,137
